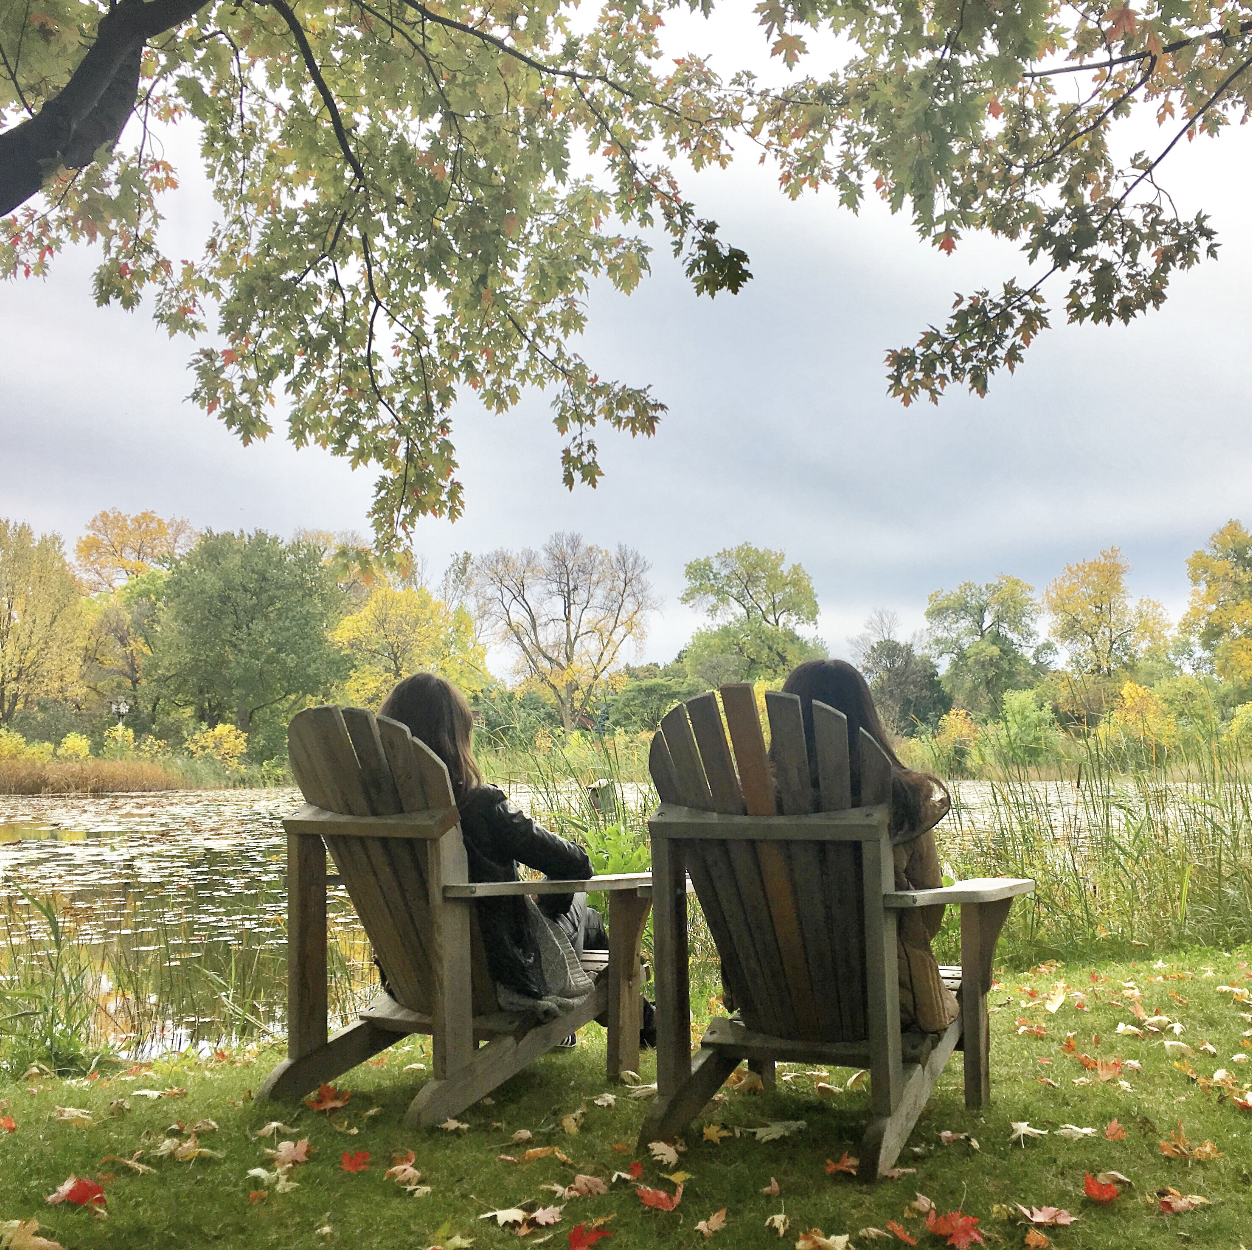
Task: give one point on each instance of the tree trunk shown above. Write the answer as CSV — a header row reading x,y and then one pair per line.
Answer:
x,y
91,110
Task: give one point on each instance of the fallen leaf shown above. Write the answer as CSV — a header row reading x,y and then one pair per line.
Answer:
x,y
1035,1240
404,1173
8,1123
508,1215
715,1133
1100,1191
258,1195
1022,1130
778,1223
455,1126
1052,1004
133,1163
1074,1132
291,1152
893,1227
857,1079
664,1153
358,1162
328,1098
815,1239
605,1100
571,1123
81,1191
1114,1178
1176,1146
76,1117
586,1187
745,1081
922,1205
846,1164
545,1216
1047,1216
714,1224
1174,1203
658,1198
522,1134
582,1238
776,1129
961,1230
678,1178
23,1235
1114,1131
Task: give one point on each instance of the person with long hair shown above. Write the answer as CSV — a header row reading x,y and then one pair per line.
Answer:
x,y
498,836
918,803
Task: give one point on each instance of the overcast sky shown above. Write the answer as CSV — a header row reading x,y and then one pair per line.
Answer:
x,y
779,430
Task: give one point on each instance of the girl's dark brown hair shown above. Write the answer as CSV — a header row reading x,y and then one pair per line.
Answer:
x,y
918,800
436,712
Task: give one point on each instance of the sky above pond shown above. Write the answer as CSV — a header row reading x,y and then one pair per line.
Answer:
x,y
779,430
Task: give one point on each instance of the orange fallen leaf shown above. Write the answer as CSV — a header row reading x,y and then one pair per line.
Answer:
x,y
1036,1240
8,1123
328,1098
582,1237
903,1234
658,1198
1114,1131
847,1164
1099,1191
258,1195
961,1230
358,1162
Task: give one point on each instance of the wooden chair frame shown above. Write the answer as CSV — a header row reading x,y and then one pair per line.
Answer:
x,y
704,797
372,789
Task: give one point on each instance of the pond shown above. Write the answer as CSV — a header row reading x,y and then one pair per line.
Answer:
x,y
166,913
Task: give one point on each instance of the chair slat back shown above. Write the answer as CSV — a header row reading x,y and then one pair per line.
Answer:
x,y
788,916
348,761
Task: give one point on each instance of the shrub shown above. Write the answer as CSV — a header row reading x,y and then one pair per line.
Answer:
x,y
119,742
225,744
75,747
12,745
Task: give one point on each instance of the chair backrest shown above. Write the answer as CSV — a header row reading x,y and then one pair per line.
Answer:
x,y
784,900
350,762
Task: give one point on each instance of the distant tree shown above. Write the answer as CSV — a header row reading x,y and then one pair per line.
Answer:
x,y
117,547
1094,619
1220,615
39,600
567,613
984,632
759,605
904,681
647,693
407,630
245,629
120,638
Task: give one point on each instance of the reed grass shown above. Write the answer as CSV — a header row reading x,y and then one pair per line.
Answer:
x,y
89,776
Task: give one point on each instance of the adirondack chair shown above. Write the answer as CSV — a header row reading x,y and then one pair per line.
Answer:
x,y
380,801
798,889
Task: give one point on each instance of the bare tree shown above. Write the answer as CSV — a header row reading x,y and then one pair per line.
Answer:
x,y
567,613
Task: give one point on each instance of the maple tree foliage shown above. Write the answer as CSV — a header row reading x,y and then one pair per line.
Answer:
x,y
400,218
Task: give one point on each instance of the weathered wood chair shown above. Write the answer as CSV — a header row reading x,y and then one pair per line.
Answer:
x,y
798,889
381,803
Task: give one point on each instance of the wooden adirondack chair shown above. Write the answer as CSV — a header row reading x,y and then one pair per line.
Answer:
x,y
381,803
799,893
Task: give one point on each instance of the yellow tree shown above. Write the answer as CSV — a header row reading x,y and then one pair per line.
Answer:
x,y
39,602
1094,619
117,547
567,613
403,631
1220,615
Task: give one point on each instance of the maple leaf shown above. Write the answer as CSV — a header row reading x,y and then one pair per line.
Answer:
x,y
1035,1240
23,1235
404,1173
570,1123
1122,23
960,1230
776,1129
778,1223
921,1204
81,1191
658,1198
1174,1203
74,1116
714,1224
506,1215
1114,1178
1074,1132
715,1133
1098,1191
582,1237
664,1153
328,1098
605,1100
459,1126
1055,1000
1176,1146
1022,1130
522,1134
8,1123
358,1162
586,1186
995,108
132,1163
947,245
902,1234
258,1195
847,1164
291,1152
1047,1215
546,1215
815,1239
1114,1131
771,1190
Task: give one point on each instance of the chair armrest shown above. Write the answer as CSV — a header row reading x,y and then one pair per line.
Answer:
x,y
979,890
494,889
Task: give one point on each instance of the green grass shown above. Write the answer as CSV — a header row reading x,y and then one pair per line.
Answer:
x,y
206,1202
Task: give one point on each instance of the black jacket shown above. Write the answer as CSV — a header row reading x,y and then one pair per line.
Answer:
x,y
497,836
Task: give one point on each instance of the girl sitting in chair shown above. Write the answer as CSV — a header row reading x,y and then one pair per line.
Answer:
x,y
918,803
532,970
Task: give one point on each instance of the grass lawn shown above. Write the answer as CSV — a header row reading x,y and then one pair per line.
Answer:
x,y
205,1201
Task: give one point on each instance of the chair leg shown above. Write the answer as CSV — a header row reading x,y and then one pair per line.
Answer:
x,y
764,1068
293,1078
668,1117
627,915
886,1135
980,927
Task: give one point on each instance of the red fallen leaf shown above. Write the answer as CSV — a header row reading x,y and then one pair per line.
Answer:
x,y
1025,1026
1097,1191
1244,1103
658,1198
846,1164
1114,1131
8,1123
960,1230
582,1236
636,1169
328,1098
82,1191
893,1227
947,244
359,1162
1070,1047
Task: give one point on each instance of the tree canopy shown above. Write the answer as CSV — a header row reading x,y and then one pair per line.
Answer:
x,y
413,198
